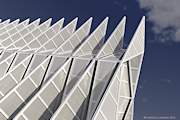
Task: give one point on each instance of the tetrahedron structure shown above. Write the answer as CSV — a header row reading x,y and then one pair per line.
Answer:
x,y
61,72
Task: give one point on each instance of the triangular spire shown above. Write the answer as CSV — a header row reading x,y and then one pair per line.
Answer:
x,y
77,37
93,40
114,40
60,37
136,46
4,23
44,37
30,36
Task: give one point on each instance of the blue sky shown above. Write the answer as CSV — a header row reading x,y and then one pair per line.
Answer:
x,y
158,90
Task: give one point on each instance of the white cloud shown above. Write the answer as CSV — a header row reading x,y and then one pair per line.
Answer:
x,y
165,15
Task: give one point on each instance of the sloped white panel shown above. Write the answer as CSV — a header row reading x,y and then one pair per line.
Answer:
x,y
5,54
57,61
4,23
21,25
125,94
124,85
20,34
76,101
113,41
31,35
103,74
18,59
135,67
52,30
14,29
49,97
36,60
75,74
91,42
75,39
4,64
129,114
84,63
136,46
58,39
9,59
13,77
19,94
116,96
105,67
13,24
9,26
47,35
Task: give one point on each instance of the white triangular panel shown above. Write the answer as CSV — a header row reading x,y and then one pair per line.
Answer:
x,y
5,64
59,38
20,93
18,59
4,23
59,60
43,38
36,60
21,25
9,26
103,74
75,39
135,67
74,105
93,40
8,59
116,96
14,29
48,98
75,74
20,34
30,36
13,77
136,46
129,114
113,41
19,56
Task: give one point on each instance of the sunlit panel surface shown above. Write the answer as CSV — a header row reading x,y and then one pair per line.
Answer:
x,y
60,71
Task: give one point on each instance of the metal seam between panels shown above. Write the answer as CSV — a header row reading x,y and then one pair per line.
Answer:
x,y
114,70
91,86
27,67
11,62
129,80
